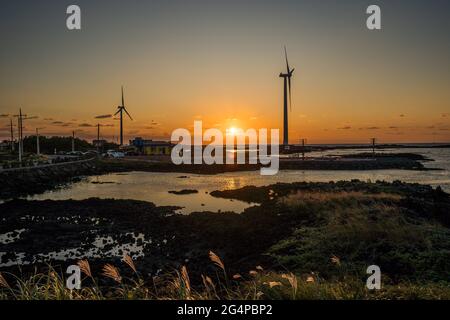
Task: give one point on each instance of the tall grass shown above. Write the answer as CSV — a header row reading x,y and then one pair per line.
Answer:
x,y
259,284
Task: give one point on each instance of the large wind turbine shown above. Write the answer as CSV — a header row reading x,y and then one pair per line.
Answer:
x,y
120,111
287,93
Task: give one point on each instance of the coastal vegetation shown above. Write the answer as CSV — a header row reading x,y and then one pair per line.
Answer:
x,y
258,284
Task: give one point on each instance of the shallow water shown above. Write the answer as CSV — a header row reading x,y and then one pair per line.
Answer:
x,y
155,187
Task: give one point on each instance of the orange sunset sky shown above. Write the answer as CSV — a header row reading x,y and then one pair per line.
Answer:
x,y
219,61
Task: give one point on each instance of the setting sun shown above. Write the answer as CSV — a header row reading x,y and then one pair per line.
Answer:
x,y
232,131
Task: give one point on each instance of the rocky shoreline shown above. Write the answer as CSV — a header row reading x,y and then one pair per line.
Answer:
x,y
28,181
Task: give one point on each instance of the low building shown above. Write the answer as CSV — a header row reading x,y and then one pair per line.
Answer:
x,y
5,145
151,147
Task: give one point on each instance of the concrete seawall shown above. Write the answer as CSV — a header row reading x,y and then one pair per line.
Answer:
x,y
22,181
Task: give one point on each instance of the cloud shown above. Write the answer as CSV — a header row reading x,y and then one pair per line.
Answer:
x,y
402,116
48,119
396,133
85,125
445,115
104,116
370,128
62,124
393,127
31,117
345,128
4,115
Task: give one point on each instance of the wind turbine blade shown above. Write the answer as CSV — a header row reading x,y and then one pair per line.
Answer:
x,y
287,62
127,113
118,111
123,100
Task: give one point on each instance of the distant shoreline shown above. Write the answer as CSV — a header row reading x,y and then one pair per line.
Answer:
x,y
32,181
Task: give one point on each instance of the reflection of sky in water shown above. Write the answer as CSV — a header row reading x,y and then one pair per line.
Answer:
x,y
154,187
10,237
97,249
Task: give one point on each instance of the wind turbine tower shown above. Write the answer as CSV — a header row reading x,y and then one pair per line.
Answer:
x,y
286,98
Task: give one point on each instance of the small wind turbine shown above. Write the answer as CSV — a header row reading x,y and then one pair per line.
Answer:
x,y
120,111
287,95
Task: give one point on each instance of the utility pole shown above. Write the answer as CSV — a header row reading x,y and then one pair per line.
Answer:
x,y
12,136
73,141
303,148
38,150
98,137
21,130
373,141
19,125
